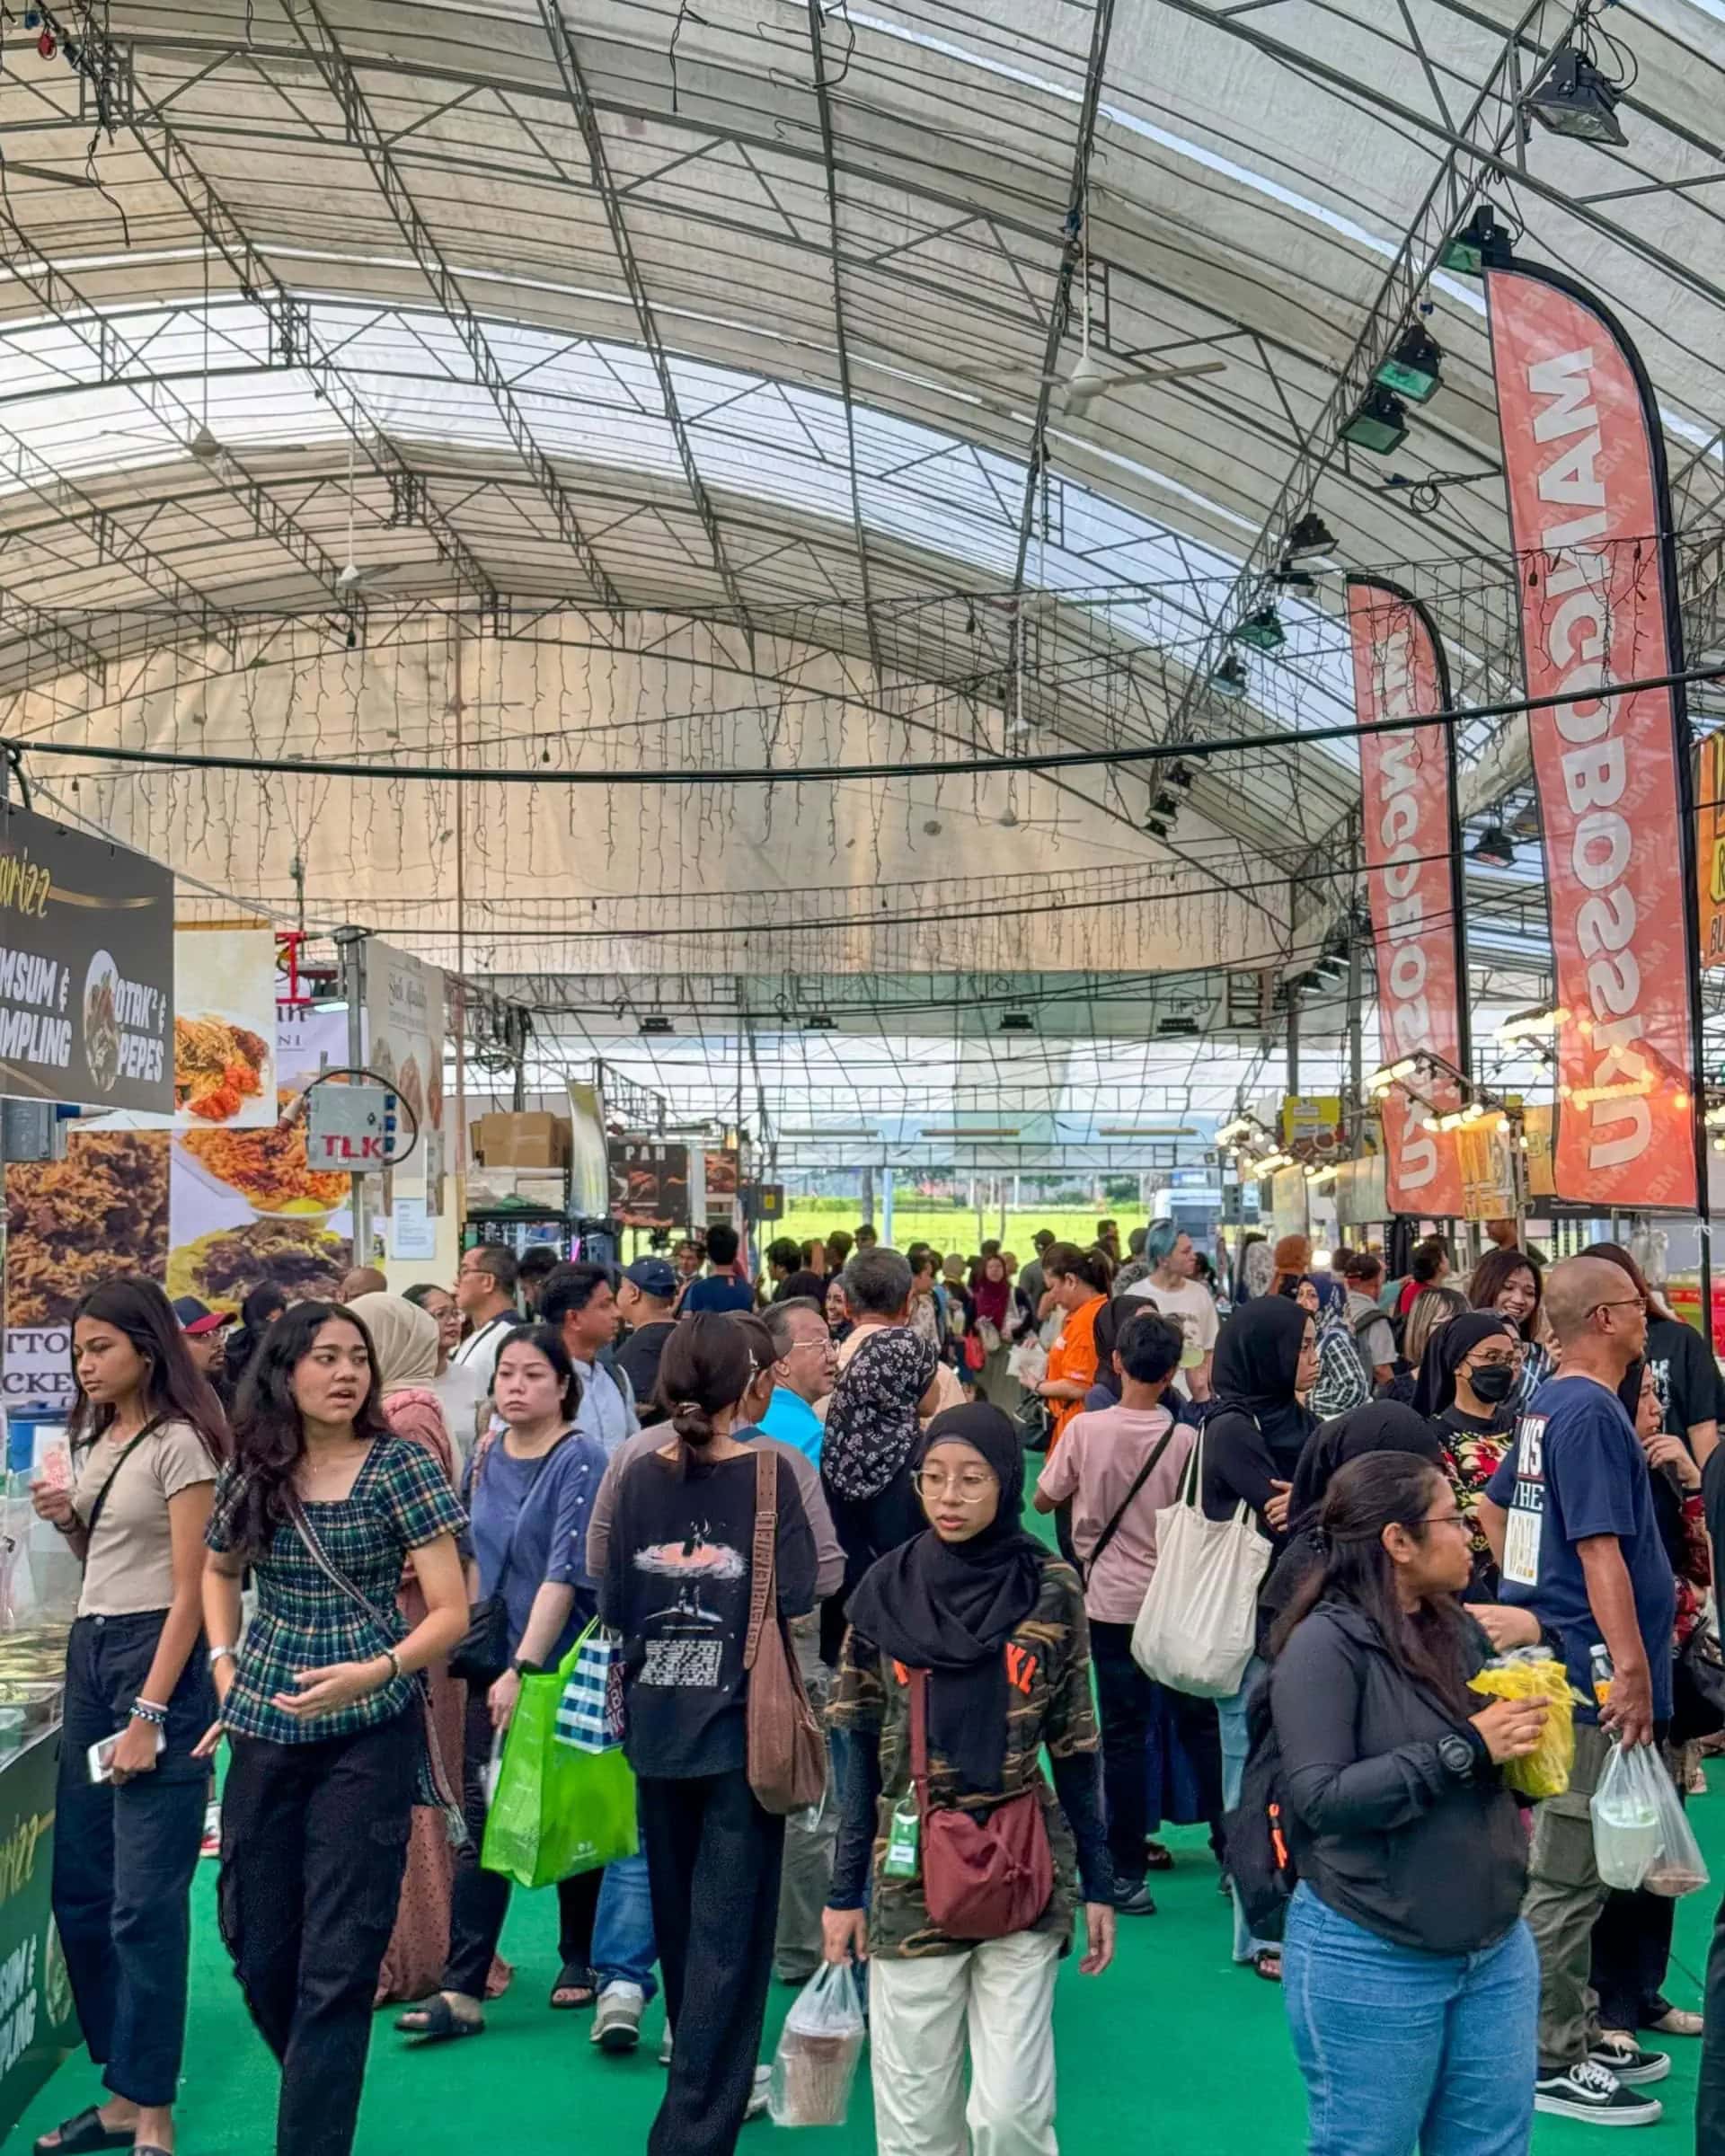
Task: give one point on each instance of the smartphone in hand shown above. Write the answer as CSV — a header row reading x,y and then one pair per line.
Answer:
x,y
101,1754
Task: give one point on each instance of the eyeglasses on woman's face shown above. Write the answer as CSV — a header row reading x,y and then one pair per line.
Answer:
x,y
968,1485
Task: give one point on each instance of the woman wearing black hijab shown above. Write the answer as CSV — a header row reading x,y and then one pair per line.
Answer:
x,y
1381,1426
1250,1449
996,1621
1466,1389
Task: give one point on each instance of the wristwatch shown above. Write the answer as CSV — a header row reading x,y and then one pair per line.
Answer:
x,y
527,1669
1456,1755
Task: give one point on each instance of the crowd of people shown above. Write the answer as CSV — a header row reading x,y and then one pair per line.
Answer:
x,y
334,1538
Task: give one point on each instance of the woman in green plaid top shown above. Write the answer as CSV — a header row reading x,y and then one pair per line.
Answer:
x,y
320,1705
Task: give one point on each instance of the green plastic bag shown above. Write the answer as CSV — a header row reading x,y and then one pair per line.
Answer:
x,y
557,1810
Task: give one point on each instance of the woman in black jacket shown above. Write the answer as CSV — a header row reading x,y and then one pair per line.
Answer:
x,y
1265,1355
1412,1983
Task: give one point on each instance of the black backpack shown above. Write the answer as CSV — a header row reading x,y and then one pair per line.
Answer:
x,y
1260,1860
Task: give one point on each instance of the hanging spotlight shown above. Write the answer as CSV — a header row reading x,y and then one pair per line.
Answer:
x,y
820,1021
1574,97
1309,538
1493,849
1181,775
1330,969
1016,1021
1524,822
1260,632
1231,677
1414,368
1380,424
1287,578
1481,243
656,1022
1156,827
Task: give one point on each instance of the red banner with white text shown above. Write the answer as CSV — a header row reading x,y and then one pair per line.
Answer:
x,y
1584,470
1405,782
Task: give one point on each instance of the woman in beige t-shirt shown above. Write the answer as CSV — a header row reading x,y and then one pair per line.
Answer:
x,y
149,1436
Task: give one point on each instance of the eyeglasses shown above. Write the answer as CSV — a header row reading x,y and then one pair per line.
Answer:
x,y
1621,1303
1445,1519
971,1484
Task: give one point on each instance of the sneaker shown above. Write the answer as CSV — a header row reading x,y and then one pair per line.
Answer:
x,y
665,2048
1618,2052
1134,1901
1595,2094
616,2018
757,2094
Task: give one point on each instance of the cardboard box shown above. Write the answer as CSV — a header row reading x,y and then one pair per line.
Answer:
x,y
528,1140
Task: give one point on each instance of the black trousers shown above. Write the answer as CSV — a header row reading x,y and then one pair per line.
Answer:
x,y
713,1863
124,1857
482,1898
314,1846
1126,1703
1631,1946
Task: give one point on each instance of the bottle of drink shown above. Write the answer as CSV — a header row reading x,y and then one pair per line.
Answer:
x,y
1600,1672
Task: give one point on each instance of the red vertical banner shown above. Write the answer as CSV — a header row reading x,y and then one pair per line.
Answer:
x,y
1584,468
1407,789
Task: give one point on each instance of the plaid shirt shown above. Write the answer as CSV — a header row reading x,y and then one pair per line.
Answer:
x,y
400,1501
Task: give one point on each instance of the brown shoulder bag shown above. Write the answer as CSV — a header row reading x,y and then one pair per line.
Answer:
x,y
787,1751
982,1877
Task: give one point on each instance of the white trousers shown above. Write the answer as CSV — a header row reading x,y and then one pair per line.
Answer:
x,y
1000,1995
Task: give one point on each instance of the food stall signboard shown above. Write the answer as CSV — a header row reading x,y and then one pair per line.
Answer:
x,y
86,969
39,2026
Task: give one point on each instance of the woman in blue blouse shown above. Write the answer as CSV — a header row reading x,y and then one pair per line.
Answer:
x,y
328,1737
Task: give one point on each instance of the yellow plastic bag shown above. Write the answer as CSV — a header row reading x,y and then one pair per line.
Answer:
x,y
1534,1673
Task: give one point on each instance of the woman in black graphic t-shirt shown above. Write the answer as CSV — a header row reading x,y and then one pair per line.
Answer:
x,y
676,1586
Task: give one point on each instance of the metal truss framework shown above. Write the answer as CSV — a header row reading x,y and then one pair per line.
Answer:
x,y
1469,122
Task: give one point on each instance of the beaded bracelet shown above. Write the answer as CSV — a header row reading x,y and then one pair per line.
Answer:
x,y
147,1711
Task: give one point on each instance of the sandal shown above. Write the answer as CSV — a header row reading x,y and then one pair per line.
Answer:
x,y
437,2022
575,1990
84,2133
1267,1963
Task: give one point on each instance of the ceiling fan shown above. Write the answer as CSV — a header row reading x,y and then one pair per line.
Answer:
x,y
1090,376
350,579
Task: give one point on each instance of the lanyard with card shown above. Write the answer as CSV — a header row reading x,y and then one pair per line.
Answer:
x,y
904,1840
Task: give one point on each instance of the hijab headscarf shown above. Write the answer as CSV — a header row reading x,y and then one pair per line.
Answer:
x,y
1257,1362
951,1607
1381,1426
994,1298
1449,1346
1258,1356
405,1339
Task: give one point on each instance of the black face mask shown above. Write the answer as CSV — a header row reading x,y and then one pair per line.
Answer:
x,y
1493,1382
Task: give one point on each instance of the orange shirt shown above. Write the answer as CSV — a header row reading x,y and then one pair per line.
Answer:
x,y
1073,1358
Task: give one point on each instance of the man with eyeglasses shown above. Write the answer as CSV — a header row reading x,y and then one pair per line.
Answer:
x,y
803,1374
485,1297
1569,1518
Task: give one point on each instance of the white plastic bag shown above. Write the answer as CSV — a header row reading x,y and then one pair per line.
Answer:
x,y
815,2063
1641,1836
1198,1623
1028,1362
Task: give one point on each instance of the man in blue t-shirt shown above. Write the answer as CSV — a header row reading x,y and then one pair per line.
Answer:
x,y
720,1288
1569,1514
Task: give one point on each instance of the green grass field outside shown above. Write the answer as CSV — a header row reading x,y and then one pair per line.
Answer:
x,y
949,1229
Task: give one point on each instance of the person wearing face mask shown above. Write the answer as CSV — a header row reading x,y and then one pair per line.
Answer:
x,y
1266,1356
1466,1389
1511,1284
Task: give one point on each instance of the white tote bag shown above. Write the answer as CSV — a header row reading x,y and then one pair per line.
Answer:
x,y
1199,1624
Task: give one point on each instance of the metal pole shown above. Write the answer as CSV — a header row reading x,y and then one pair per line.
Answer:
x,y
886,1203
1688,839
1356,1046
1293,1040
351,944
868,1197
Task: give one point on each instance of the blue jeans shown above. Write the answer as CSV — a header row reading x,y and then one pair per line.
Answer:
x,y
625,1946
1231,1717
1403,2050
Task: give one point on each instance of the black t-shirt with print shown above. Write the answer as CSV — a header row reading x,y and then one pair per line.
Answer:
x,y
676,1586
1684,1376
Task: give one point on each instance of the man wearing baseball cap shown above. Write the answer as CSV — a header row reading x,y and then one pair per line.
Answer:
x,y
205,1331
645,1296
